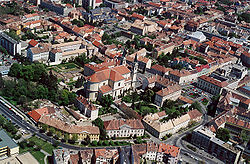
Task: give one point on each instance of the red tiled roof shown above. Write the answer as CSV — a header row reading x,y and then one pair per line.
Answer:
x,y
169,149
33,43
34,115
213,81
141,17
168,90
116,124
193,114
105,89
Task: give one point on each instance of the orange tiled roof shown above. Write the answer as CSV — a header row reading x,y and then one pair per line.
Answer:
x,y
116,124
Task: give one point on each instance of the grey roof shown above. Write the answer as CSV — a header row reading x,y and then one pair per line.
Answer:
x,y
6,140
217,141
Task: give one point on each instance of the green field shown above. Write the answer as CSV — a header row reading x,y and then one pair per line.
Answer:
x,y
44,145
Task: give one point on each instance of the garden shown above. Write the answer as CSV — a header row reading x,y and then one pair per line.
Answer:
x,y
34,145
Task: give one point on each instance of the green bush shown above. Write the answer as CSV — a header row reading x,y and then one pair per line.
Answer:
x,y
94,143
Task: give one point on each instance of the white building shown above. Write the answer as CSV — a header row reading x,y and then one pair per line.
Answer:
x,y
87,108
171,92
211,85
197,36
11,45
124,128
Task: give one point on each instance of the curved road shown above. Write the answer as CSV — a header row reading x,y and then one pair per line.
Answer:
x,y
24,125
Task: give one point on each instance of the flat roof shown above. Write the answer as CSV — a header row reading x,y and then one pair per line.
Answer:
x,y
6,140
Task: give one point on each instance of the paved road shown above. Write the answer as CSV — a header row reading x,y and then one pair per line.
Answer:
x,y
34,130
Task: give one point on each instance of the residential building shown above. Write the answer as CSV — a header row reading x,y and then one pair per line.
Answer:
x,y
142,27
195,115
171,92
206,140
86,107
83,132
65,156
92,3
182,76
211,85
62,9
168,153
163,153
154,124
164,49
12,46
159,70
197,36
7,146
23,158
113,81
124,128
56,53
47,115
106,156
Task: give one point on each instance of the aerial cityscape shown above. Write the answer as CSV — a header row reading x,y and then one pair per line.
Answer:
x,y
124,82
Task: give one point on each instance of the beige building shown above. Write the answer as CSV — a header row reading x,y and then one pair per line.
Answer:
x,y
86,107
171,92
83,132
144,27
124,128
154,124
183,76
7,146
166,48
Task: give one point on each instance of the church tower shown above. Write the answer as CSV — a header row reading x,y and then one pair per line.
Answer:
x,y
123,58
134,71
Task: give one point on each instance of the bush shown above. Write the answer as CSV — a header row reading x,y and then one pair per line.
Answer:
x,y
31,144
23,144
111,143
94,143
105,143
100,143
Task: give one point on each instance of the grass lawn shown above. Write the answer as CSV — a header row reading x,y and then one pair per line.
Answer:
x,y
39,156
67,66
45,145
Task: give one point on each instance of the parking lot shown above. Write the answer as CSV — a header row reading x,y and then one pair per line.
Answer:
x,y
197,94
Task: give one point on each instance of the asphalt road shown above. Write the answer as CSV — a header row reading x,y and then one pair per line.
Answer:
x,y
24,125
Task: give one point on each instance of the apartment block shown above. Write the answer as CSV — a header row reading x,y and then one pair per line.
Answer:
x,y
7,146
11,45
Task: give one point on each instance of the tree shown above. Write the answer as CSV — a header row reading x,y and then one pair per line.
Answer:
x,y
22,100
75,137
99,123
223,134
59,134
15,70
107,101
79,82
1,81
196,105
94,143
66,136
52,130
44,127
244,136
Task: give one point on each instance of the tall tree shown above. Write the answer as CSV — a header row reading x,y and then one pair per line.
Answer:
x,y
223,134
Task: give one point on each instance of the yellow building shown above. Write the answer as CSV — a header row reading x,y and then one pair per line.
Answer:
x,y
7,146
83,132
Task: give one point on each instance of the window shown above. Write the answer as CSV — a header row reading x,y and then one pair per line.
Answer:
x,y
119,84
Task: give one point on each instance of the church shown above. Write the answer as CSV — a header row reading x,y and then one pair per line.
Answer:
x,y
114,81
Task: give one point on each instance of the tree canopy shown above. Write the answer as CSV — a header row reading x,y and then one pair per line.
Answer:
x,y
223,134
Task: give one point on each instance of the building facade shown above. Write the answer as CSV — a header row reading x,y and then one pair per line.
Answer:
x,y
87,108
124,128
12,46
